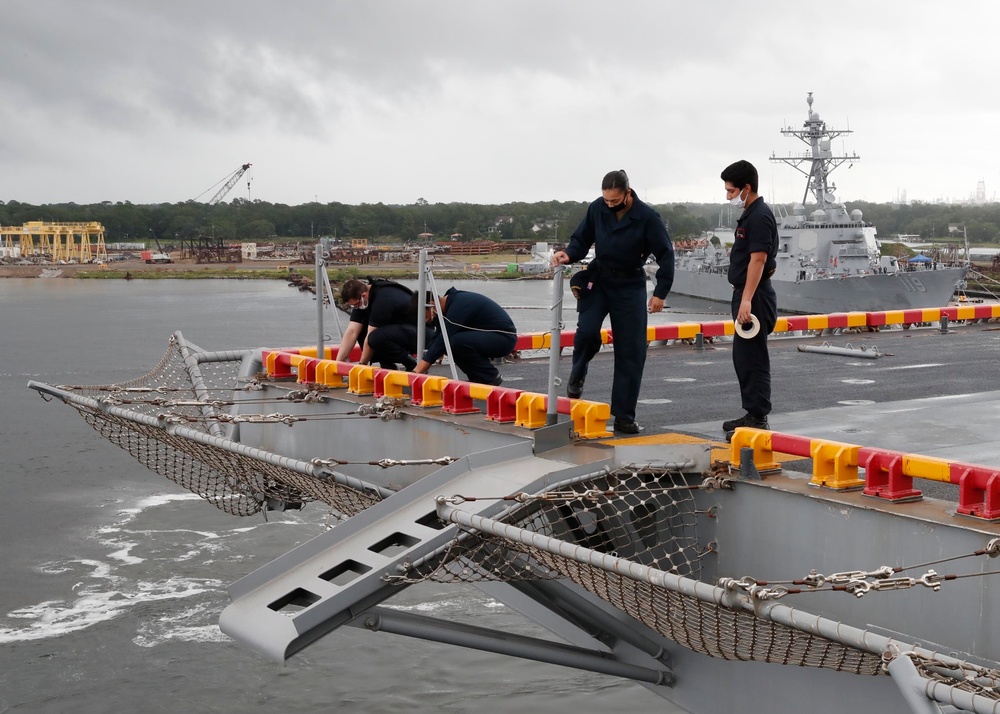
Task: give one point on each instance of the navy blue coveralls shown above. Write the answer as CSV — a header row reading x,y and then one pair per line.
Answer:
x,y
756,232
478,330
620,249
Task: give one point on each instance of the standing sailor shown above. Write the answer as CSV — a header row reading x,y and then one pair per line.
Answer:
x,y
751,264
624,232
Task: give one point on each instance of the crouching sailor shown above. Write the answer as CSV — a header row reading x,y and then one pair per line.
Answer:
x,y
478,330
382,323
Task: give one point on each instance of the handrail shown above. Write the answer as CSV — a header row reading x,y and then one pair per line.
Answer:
x,y
785,323
453,396
882,473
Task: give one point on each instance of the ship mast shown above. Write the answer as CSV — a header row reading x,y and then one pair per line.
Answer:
x,y
820,158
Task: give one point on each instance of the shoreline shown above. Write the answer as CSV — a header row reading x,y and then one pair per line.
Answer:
x,y
455,268
304,275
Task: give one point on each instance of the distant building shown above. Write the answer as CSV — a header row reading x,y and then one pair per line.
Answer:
x,y
498,223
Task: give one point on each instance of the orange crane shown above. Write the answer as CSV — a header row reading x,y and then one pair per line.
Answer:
x,y
227,185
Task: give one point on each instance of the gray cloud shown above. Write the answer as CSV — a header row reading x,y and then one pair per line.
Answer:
x,y
461,101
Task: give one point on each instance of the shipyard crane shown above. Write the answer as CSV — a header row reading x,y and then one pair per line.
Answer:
x,y
227,186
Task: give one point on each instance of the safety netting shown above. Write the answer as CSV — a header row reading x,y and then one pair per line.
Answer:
x,y
648,517
193,390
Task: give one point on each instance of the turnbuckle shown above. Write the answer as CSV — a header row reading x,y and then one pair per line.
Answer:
x,y
929,580
848,577
308,396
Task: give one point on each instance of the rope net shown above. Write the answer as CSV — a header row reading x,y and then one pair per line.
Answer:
x,y
237,484
650,519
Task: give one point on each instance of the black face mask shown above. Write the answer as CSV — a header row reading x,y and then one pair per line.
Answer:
x,y
620,206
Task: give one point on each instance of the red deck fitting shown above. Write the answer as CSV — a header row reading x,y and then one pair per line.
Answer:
x,y
978,490
458,398
884,477
501,405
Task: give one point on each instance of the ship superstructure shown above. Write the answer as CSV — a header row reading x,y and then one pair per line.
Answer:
x,y
829,258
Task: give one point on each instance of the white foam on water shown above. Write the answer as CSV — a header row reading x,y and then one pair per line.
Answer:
x,y
158,499
123,554
100,568
96,603
190,555
106,588
201,633
421,606
139,566
123,547
195,624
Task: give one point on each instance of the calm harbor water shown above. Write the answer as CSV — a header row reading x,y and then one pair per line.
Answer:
x,y
114,577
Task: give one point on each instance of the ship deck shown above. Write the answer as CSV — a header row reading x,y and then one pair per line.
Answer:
x,y
928,393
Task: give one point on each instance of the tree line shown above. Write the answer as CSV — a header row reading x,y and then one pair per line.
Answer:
x,y
553,221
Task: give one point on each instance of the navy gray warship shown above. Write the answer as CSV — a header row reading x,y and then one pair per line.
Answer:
x,y
844,561
829,259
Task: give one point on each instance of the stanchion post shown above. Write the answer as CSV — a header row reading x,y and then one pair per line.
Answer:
x,y
443,325
319,300
555,342
422,300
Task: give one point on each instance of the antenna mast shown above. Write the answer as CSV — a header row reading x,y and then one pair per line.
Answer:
x,y
820,158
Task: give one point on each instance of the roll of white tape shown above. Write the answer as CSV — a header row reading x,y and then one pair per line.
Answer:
x,y
748,333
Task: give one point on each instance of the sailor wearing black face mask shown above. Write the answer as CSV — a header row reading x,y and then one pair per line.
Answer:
x,y
624,232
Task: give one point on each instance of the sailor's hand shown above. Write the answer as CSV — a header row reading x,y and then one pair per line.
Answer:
x,y
744,316
655,304
560,258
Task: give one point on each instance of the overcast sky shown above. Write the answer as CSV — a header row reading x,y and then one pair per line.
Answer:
x,y
489,102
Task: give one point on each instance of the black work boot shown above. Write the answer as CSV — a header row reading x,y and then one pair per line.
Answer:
x,y
627,426
748,419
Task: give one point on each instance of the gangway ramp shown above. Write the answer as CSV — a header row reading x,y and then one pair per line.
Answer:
x,y
334,578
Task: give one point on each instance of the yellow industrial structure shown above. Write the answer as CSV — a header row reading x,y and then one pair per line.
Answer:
x,y
55,242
